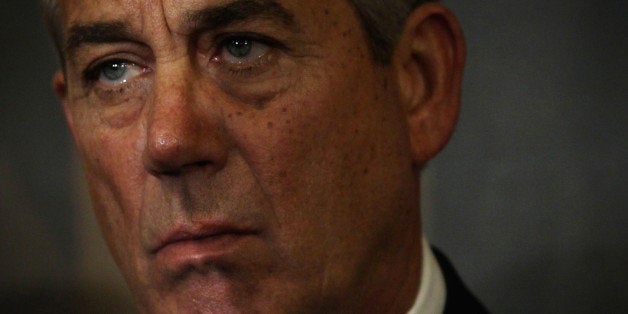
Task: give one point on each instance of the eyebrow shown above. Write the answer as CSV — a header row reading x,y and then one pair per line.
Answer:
x,y
240,10
97,33
210,18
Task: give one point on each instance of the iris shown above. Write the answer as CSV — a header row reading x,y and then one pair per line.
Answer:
x,y
240,47
114,71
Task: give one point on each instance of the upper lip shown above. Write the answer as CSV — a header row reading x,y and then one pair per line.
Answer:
x,y
194,233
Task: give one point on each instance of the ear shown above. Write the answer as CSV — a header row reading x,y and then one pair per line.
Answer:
x,y
429,61
60,86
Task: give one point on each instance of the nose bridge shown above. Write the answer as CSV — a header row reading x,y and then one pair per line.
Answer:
x,y
168,120
179,131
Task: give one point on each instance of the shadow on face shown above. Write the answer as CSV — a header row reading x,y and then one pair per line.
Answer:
x,y
251,155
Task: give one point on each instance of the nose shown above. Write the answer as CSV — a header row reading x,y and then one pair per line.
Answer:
x,y
183,125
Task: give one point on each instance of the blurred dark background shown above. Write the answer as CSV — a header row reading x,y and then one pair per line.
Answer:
x,y
528,200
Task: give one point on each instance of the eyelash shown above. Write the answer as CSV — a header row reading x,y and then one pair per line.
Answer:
x,y
224,40
92,74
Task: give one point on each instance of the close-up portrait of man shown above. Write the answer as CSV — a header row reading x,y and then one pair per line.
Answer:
x,y
300,156
264,156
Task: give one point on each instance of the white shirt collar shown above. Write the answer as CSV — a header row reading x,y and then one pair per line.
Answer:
x,y
432,291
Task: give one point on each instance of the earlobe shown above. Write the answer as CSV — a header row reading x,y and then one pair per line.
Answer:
x,y
429,61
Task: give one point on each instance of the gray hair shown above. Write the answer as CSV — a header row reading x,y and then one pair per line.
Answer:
x,y
382,21
52,17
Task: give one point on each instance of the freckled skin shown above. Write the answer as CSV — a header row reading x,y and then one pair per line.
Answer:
x,y
316,157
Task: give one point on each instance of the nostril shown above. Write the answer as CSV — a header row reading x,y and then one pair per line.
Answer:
x,y
183,169
203,163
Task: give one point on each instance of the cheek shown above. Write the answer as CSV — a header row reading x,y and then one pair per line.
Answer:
x,y
269,140
112,158
304,149
113,171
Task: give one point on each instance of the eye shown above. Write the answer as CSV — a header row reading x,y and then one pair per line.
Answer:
x,y
116,72
242,50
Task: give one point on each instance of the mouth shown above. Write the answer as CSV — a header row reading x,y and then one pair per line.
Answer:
x,y
185,237
195,248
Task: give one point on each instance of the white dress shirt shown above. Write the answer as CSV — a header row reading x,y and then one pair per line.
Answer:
x,y
432,291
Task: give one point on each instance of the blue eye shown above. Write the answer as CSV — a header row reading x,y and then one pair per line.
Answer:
x,y
114,71
241,50
117,72
240,47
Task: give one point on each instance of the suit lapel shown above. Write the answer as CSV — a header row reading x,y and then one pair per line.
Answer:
x,y
459,299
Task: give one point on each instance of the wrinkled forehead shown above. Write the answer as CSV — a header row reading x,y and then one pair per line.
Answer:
x,y
177,16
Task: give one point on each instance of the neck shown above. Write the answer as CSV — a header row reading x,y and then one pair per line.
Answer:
x,y
397,276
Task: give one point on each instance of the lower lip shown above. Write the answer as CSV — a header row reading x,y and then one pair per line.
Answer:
x,y
199,253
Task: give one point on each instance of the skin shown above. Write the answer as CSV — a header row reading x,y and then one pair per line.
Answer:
x,y
312,149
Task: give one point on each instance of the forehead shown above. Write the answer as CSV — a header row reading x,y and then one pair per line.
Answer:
x,y
174,15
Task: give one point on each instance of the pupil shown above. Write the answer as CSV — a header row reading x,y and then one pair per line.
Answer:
x,y
114,71
240,48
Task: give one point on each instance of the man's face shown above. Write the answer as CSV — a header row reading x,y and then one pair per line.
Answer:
x,y
241,155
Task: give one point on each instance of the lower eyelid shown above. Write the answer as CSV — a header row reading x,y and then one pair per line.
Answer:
x,y
248,67
253,58
133,89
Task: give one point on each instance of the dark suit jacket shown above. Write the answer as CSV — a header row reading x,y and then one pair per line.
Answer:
x,y
459,298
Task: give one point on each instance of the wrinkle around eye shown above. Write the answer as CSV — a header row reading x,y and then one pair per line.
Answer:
x,y
131,87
